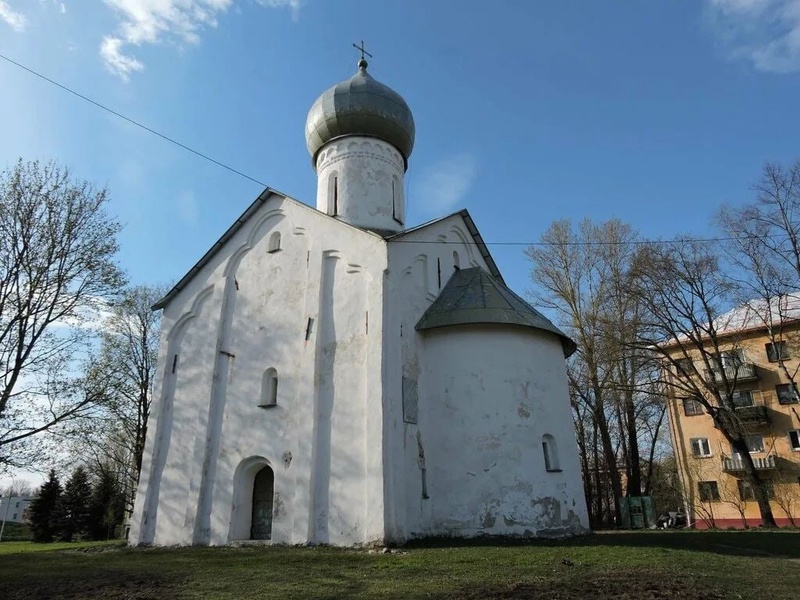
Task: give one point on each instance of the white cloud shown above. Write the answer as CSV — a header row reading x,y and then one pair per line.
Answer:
x,y
15,20
116,61
159,21
444,184
766,33
293,5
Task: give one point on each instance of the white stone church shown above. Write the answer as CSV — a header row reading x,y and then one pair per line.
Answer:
x,y
331,376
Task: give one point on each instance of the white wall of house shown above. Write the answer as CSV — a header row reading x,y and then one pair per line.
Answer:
x,y
12,508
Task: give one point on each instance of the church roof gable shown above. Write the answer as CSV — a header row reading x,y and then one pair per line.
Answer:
x,y
480,245
263,197
474,296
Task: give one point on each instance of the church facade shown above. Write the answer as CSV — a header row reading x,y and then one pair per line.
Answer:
x,y
329,376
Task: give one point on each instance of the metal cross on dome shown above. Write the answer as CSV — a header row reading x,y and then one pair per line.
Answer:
x,y
362,50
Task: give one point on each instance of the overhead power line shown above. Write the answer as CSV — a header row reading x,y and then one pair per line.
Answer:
x,y
134,122
261,183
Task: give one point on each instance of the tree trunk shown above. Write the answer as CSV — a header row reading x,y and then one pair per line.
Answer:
x,y
759,485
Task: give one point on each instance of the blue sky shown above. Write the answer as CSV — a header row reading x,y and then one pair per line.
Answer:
x,y
526,112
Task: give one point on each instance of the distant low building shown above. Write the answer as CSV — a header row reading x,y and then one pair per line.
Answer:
x,y
14,509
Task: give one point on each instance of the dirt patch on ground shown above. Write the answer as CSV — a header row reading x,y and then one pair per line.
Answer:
x,y
636,585
105,586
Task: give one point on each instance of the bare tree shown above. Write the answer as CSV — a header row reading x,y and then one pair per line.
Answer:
x,y
581,275
57,248
685,293
764,251
17,488
114,439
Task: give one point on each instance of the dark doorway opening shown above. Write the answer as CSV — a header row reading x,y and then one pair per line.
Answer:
x,y
263,490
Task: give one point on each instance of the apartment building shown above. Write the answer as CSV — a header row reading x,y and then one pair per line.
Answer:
x,y
759,373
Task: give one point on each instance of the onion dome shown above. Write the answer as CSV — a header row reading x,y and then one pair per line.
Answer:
x,y
360,106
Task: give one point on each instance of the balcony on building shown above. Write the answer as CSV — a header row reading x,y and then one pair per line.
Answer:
x,y
735,464
734,369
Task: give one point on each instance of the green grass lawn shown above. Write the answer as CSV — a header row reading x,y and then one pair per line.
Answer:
x,y
640,566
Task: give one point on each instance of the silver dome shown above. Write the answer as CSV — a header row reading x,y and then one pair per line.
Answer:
x,y
360,106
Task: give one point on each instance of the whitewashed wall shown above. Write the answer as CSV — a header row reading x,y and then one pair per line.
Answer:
x,y
486,427
370,174
247,311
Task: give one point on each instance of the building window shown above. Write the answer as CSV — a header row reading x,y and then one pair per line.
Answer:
x,y
269,389
683,366
787,393
742,398
708,491
692,407
550,453
274,242
755,443
777,351
732,359
794,439
456,261
700,447
747,492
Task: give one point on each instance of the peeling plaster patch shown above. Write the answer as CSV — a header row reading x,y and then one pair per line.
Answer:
x,y
488,520
522,411
277,507
287,459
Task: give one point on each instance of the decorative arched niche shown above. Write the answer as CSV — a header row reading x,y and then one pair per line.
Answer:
x,y
274,242
269,389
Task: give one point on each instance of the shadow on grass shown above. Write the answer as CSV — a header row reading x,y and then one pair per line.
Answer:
x,y
754,543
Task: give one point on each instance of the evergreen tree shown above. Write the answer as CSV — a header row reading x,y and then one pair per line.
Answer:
x,y
43,509
74,518
107,507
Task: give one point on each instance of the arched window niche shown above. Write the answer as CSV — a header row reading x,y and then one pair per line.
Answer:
x,y
269,389
550,451
274,242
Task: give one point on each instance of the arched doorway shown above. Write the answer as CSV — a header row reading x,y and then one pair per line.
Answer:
x,y
261,520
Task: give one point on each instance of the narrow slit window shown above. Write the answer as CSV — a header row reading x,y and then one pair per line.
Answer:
x,y
394,202
397,200
439,272
550,453
274,242
335,195
174,362
309,328
269,389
